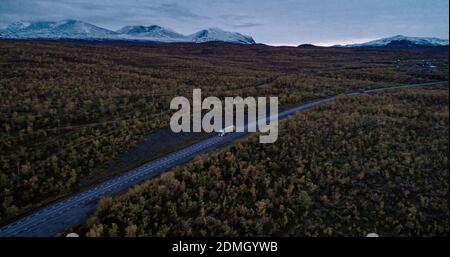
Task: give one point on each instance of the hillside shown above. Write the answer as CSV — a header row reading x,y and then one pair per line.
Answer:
x,y
403,42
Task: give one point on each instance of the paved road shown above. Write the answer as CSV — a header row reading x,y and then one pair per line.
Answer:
x,y
74,209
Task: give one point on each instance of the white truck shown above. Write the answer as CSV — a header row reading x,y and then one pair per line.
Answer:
x,y
226,130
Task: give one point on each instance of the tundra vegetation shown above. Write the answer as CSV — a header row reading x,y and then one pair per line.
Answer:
x,y
68,110
373,163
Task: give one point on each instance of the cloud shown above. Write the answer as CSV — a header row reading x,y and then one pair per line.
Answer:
x,y
176,11
246,25
239,21
234,17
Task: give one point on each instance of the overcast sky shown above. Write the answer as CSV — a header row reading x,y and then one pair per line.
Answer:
x,y
275,22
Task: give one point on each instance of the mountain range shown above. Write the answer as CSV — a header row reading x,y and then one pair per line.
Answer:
x,y
401,42
75,29
79,30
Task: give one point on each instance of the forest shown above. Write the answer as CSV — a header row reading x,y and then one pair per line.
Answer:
x,y
372,163
68,110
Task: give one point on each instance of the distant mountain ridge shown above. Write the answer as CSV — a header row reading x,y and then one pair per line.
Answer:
x,y
151,33
62,29
216,34
75,29
401,41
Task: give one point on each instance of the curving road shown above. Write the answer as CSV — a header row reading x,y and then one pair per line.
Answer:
x,y
74,209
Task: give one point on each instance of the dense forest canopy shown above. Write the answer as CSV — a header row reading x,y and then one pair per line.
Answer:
x,y
68,109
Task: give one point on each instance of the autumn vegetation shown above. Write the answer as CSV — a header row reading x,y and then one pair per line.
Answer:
x,y
68,110
373,163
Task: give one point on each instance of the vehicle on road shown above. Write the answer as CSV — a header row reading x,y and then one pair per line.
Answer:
x,y
361,90
226,130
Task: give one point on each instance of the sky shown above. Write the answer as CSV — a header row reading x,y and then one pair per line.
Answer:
x,y
273,22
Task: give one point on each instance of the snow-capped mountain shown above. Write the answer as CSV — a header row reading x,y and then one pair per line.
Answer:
x,y
401,41
18,25
216,34
74,29
152,33
68,29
